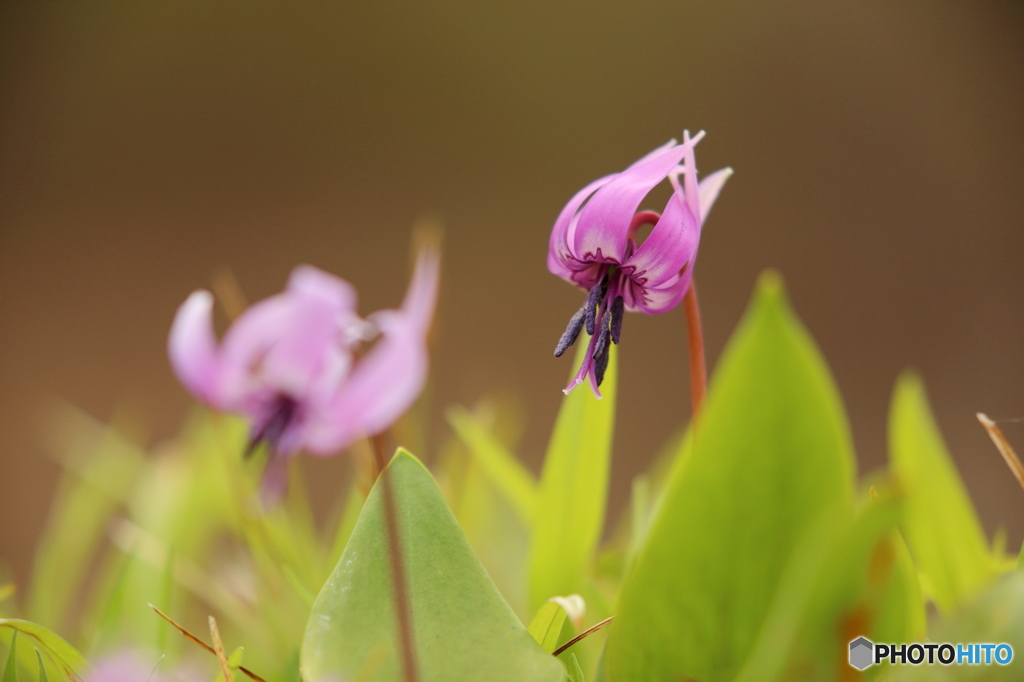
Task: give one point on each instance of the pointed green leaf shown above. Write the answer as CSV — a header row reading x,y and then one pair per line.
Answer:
x,y
771,452
573,489
996,616
72,663
941,527
43,677
506,472
574,669
832,590
463,628
547,625
100,467
11,669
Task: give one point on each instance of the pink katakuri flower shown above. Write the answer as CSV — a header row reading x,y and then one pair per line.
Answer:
x,y
289,362
129,665
593,245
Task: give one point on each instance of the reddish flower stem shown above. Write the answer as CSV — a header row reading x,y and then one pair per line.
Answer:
x,y
695,343
398,583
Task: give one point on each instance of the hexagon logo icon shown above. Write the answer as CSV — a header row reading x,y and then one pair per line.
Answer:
x,y
861,650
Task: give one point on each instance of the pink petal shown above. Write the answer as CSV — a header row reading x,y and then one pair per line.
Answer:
x,y
192,347
561,261
383,385
659,299
690,181
670,246
285,343
709,189
421,296
604,221
388,379
245,347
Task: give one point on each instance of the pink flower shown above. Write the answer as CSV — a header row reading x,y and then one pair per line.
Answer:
x,y
593,245
128,665
289,362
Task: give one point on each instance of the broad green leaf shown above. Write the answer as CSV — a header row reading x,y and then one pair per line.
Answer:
x,y
770,454
72,663
899,609
573,489
547,625
839,580
996,615
940,526
507,473
11,669
463,628
496,533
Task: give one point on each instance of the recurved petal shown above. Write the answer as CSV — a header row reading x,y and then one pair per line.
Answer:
x,y
709,189
295,361
421,296
192,347
561,260
660,299
383,385
603,223
670,246
307,280
245,348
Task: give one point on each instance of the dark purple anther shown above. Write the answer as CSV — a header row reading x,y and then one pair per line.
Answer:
x,y
571,332
593,301
273,429
618,309
601,364
602,336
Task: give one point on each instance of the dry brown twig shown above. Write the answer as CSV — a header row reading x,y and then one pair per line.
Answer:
x,y
218,648
1003,445
189,636
589,631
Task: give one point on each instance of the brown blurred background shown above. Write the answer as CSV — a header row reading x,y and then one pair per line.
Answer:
x,y
877,145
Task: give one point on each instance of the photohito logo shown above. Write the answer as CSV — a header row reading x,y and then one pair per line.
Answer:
x,y
865,653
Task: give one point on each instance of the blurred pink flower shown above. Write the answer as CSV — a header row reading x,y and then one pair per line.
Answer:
x,y
288,363
128,665
593,245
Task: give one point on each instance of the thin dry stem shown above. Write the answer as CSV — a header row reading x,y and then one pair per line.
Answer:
x,y
218,648
695,343
1003,445
586,633
189,636
398,583
228,292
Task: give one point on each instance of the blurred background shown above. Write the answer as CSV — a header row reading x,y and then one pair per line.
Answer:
x,y
878,152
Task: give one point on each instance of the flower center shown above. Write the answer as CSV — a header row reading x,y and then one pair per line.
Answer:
x,y
272,429
601,314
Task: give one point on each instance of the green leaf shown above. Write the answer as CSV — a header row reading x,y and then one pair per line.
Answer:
x,y
11,669
573,489
833,590
71,663
770,454
547,625
507,473
463,628
941,527
100,467
996,615
43,677
574,669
